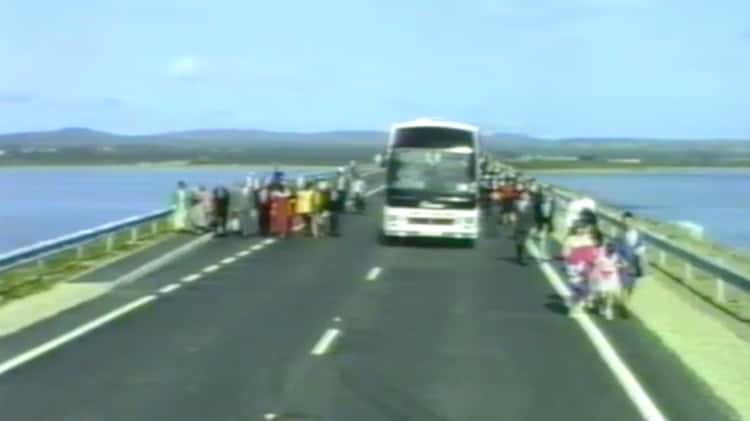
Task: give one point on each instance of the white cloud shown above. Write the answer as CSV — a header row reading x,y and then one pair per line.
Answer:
x,y
185,67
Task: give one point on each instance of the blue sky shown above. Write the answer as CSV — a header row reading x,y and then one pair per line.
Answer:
x,y
553,68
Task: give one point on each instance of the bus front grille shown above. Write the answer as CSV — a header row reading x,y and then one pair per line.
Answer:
x,y
430,221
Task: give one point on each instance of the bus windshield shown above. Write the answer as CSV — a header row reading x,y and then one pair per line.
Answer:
x,y
432,171
433,138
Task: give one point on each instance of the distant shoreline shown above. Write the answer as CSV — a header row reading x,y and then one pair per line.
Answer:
x,y
166,166
182,165
645,170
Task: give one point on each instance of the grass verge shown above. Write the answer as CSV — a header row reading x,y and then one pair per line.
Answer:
x,y
69,264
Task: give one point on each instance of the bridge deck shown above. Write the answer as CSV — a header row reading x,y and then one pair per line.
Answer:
x,y
439,334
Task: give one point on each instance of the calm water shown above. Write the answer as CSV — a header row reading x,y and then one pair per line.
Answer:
x,y
42,203
719,201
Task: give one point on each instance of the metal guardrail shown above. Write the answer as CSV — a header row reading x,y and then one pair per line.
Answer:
x,y
715,281
47,248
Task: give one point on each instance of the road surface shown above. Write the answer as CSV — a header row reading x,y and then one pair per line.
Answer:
x,y
340,329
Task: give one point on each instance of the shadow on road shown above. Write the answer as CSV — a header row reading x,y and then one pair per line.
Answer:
x,y
556,304
429,243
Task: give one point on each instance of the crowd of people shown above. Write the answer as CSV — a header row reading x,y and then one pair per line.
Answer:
x,y
270,206
601,272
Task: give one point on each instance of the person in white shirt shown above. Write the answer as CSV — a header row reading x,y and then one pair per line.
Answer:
x,y
358,194
181,200
575,208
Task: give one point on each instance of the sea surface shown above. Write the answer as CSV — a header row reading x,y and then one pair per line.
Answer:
x,y
38,204
717,200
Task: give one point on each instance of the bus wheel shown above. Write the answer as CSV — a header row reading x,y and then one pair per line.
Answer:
x,y
384,240
470,243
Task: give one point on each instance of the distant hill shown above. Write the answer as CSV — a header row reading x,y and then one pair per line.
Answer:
x,y
59,138
81,137
253,138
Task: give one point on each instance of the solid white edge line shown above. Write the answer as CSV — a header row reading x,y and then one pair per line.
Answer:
x,y
212,268
191,278
228,260
325,341
243,253
163,260
373,273
604,348
169,288
73,334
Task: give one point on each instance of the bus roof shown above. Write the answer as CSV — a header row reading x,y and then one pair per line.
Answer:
x,y
429,122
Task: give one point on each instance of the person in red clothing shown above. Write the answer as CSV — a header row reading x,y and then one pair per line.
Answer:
x,y
508,197
292,211
280,206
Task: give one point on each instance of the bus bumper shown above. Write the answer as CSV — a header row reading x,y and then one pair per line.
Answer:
x,y
429,234
406,222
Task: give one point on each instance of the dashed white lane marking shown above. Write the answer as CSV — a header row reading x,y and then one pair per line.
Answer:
x,y
375,190
212,268
257,247
228,260
325,341
191,278
73,334
269,416
269,241
169,288
373,273
243,253
637,394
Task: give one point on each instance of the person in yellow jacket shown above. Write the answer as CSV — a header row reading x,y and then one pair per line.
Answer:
x,y
304,206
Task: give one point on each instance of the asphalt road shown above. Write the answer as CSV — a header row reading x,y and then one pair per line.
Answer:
x,y
437,333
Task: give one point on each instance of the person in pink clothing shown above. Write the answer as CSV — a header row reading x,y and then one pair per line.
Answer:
x,y
579,253
605,278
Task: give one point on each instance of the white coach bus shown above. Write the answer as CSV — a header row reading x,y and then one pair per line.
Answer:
x,y
431,181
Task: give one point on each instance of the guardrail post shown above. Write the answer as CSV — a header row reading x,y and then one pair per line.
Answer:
x,y
110,242
720,292
662,258
40,264
134,234
688,272
80,251
154,227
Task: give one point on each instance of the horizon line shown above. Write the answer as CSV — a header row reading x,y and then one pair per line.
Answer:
x,y
314,132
